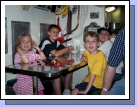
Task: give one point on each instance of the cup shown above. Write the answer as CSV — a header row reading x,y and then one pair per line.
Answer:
x,y
78,49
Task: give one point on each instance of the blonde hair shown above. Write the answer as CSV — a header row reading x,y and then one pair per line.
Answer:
x,y
91,34
22,36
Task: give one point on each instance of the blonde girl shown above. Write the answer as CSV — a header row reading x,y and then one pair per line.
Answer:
x,y
24,54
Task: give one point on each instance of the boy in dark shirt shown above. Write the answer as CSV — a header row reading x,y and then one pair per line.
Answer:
x,y
52,47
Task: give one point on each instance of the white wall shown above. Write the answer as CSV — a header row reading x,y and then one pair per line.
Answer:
x,y
37,16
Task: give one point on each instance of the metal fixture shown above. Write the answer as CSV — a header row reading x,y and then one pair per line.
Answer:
x,y
110,9
91,27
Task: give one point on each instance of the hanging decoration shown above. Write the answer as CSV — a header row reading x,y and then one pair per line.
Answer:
x,y
58,23
64,11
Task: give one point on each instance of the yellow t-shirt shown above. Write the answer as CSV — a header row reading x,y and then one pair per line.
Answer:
x,y
96,65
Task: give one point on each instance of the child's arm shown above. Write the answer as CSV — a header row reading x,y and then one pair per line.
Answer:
x,y
83,58
90,83
22,55
42,56
25,66
62,51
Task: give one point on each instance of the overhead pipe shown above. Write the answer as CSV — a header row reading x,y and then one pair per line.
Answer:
x,y
69,22
82,18
77,22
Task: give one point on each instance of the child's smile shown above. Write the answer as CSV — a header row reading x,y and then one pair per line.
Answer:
x,y
91,44
25,44
53,34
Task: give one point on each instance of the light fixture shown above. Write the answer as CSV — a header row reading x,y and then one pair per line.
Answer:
x,y
110,9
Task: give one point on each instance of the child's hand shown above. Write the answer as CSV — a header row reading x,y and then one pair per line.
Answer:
x,y
41,63
71,48
83,59
34,45
18,48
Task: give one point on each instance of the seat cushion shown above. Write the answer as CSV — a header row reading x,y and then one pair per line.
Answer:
x,y
11,82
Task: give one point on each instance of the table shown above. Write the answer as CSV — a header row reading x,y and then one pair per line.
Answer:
x,y
47,69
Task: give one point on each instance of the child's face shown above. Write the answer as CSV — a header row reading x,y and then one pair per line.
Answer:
x,y
25,44
53,34
91,44
104,36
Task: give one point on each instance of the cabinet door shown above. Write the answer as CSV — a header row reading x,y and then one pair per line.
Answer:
x,y
17,29
43,30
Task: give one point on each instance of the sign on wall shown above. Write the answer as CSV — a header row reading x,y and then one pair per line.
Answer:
x,y
94,15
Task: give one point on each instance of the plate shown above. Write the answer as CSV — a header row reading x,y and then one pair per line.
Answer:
x,y
74,52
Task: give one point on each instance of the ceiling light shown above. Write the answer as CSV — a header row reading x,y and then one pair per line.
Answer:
x,y
109,9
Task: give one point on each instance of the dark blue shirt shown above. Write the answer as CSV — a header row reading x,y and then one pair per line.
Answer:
x,y
47,46
117,52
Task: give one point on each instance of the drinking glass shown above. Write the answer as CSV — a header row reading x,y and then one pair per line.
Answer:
x,y
78,49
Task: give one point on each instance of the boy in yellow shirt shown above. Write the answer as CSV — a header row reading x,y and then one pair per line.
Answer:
x,y
96,64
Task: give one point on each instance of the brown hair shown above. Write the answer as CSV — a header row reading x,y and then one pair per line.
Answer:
x,y
91,34
22,36
52,26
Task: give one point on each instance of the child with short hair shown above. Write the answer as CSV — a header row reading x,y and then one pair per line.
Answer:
x,y
105,35
24,84
52,47
96,65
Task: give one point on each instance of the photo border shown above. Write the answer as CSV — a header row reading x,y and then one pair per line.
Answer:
x,y
86,101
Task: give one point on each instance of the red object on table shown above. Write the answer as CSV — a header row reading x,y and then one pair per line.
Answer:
x,y
71,61
56,63
56,66
60,63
